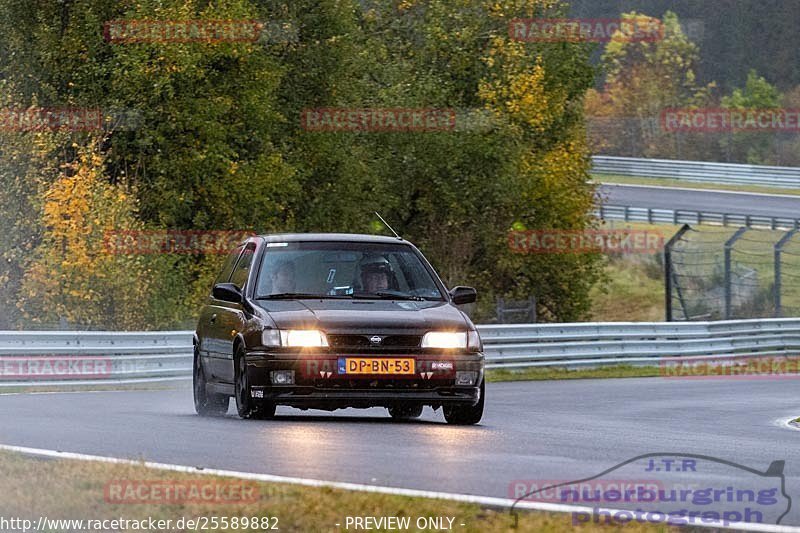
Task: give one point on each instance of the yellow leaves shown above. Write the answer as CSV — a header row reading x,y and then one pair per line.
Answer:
x,y
507,9
521,94
73,274
563,167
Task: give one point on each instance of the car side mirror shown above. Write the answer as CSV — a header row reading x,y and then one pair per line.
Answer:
x,y
227,292
463,295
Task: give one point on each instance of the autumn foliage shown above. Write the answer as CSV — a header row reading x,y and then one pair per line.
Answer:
x,y
219,144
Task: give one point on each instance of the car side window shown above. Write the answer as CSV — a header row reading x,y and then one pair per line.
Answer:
x,y
227,268
239,277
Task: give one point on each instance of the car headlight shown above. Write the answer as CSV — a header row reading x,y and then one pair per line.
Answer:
x,y
294,338
303,338
445,339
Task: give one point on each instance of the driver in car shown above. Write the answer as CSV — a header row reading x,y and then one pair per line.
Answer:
x,y
375,277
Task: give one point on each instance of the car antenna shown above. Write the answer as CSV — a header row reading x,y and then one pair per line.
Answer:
x,y
388,226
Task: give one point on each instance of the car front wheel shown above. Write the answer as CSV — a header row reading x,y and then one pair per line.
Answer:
x,y
246,406
463,416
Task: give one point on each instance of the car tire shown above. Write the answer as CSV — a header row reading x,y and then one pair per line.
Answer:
x,y
246,406
405,412
465,416
205,403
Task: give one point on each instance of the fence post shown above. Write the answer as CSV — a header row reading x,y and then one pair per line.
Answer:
x,y
501,311
532,302
668,269
776,287
728,246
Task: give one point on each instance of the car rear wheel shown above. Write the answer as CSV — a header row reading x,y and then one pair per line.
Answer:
x,y
463,416
205,403
246,406
405,412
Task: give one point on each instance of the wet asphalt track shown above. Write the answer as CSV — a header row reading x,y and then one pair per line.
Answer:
x,y
700,200
559,430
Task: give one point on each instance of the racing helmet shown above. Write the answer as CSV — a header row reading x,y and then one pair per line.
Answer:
x,y
377,265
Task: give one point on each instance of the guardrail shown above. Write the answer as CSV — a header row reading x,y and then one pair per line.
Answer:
x,y
699,171
117,358
649,343
89,357
678,216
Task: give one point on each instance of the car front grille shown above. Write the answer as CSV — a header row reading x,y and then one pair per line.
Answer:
x,y
362,343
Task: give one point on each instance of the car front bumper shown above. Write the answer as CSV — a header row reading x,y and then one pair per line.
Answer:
x,y
319,385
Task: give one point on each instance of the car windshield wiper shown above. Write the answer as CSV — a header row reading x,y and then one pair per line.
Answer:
x,y
389,296
298,295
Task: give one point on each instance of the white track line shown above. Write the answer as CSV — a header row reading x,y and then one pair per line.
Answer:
x,y
723,191
414,493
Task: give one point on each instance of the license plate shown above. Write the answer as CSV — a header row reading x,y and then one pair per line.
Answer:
x,y
375,365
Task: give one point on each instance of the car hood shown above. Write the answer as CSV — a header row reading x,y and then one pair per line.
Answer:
x,y
363,315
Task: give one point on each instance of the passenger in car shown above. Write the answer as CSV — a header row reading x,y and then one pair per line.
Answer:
x,y
283,278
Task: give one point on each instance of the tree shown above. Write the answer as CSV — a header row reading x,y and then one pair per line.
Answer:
x,y
28,163
72,275
519,157
643,78
220,144
757,148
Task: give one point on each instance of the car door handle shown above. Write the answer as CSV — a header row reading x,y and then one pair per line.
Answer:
x,y
213,318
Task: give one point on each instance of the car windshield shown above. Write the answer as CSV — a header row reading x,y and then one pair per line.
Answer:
x,y
344,270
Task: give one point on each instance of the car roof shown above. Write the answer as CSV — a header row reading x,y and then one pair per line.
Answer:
x,y
332,237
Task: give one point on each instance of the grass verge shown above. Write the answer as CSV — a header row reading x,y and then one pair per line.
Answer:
x,y
542,374
630,294
85,490
667,182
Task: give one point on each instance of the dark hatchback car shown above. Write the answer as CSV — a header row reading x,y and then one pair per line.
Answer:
x,y
329,321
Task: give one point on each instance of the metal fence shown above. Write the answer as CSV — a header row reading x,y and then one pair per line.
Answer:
x,y
678,216
699,171
147,357
724,274
515,312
